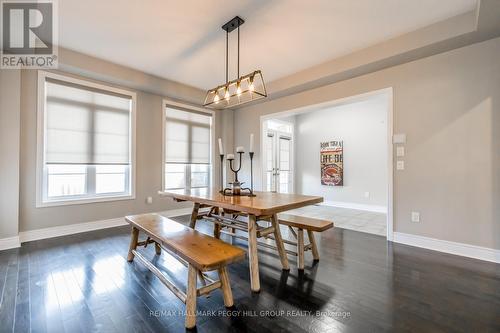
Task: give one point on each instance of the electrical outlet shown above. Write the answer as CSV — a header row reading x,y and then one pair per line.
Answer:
x,y
367,194
400,165
415,216
400,151
149,200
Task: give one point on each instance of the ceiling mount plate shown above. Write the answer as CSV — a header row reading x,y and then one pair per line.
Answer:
x,y
233,24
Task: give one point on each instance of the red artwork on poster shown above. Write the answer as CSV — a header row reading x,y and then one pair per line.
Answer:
x,y
332,163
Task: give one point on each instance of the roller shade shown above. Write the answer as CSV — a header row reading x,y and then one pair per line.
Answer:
x,y
187,136
85,125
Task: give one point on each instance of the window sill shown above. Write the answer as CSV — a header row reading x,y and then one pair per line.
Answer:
x,y
79,201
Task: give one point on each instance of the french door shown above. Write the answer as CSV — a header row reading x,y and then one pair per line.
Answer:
x,y
278,171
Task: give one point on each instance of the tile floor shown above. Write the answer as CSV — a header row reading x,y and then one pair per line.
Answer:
x,y
358,220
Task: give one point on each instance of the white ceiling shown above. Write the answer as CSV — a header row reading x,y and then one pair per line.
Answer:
x,y
183,41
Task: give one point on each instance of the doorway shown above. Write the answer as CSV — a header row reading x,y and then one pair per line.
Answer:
x,y
277,136
359,204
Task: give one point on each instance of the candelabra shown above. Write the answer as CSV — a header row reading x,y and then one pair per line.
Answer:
x,y
236,189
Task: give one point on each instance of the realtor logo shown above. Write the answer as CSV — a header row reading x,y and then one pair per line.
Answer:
x,y
29,34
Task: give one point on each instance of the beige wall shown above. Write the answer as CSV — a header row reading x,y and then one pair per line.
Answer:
x,y
449,106
149,145
18,129
10,83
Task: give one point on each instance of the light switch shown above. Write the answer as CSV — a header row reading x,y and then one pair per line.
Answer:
x,y
399,138
400,165
149,200
400,151
415,216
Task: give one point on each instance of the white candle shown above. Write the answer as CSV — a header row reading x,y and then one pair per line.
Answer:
x,y
230,157
240,149
251,143
221,149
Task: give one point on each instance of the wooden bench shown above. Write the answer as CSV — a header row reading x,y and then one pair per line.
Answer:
x,y
197,251
302,223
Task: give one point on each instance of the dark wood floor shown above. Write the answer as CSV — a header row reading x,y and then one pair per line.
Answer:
x,y
82,283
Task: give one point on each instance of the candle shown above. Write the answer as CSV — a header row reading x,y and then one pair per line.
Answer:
x,y
251,143
221,149
230,157
240,149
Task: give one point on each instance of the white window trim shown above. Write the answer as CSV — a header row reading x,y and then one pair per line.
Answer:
x,y
170,103
40,163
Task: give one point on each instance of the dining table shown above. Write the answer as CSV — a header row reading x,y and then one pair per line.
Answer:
x,y
262,206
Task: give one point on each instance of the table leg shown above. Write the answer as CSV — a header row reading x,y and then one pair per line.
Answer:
x,y
194,215
279,242
252,253
217,226
133,243
300,248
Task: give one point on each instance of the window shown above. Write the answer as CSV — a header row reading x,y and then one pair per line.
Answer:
x,y
188,146
279,126
85,141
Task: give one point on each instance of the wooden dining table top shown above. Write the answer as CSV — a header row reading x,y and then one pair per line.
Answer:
x,y
264,203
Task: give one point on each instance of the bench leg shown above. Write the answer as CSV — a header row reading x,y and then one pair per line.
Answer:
x,y
312,241
253,259
216,230
226,287
133,243
157,249
279,242
191,297
194,215
300,248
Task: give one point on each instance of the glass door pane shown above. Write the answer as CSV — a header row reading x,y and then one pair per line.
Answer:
x,y
270,162
285,170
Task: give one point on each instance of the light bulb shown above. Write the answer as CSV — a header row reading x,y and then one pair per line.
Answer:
x,y
226,95
216,99
238,90
251,87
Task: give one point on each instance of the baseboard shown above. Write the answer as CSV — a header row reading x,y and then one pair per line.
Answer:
x,y
176,212
9,243
63,230
460,249
32,235
369,208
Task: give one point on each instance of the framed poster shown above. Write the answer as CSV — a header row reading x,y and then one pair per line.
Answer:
x,y
332,163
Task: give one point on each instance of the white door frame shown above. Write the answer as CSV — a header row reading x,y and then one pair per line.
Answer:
x,y
390,132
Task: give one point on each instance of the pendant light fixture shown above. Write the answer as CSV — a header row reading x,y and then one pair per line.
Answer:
x,y
243,89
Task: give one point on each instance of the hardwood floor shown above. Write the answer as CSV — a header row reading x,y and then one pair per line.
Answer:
x,y
82,283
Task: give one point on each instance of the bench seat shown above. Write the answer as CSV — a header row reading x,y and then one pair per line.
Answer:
x,y
306,223
202,251
197,251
